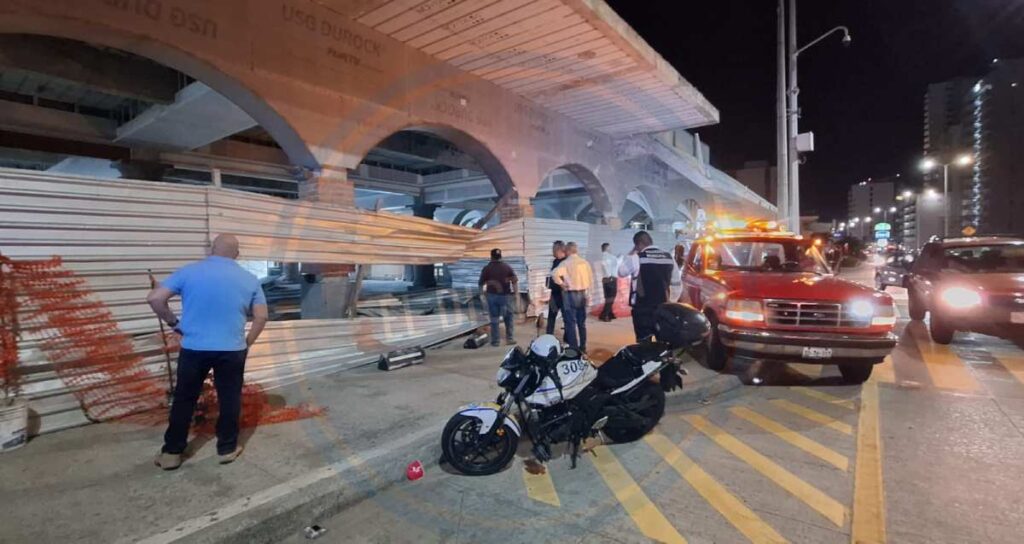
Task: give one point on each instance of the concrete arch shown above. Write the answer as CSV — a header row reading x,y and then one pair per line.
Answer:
x,y
595,188
637,197
169,54
473,146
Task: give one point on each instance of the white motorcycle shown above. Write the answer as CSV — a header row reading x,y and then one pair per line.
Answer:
x,y
561,397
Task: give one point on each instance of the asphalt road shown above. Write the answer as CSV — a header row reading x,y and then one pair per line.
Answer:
x,y
930,450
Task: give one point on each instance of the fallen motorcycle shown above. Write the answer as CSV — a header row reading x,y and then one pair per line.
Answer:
x,y
561,397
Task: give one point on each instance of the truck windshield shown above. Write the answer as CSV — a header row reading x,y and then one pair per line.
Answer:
x,y
998,258
771,256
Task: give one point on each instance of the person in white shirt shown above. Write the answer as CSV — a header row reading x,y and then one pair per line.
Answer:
x,y
575,276
609,281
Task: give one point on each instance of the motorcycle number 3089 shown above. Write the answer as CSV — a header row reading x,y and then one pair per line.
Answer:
x,y
569,368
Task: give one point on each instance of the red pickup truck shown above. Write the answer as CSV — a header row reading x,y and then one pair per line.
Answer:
x,y
770,295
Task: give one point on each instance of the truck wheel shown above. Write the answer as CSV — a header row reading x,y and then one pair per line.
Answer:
x,y
941,330
718,356
916,307
856,373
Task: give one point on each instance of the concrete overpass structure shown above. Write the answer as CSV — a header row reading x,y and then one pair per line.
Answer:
x,y
553,108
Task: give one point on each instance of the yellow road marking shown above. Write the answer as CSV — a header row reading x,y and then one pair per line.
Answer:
x,y
825,397
868,524
813,415
828,507
539,487
885,372
733,509
1014,364
828,455
945,368
645,514
811,371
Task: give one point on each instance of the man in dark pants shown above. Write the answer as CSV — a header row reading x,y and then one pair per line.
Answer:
x,y
499,283
216,296
609,281
651,271
555,304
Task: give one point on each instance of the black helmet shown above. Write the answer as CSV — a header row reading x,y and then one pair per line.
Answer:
x,y
680,325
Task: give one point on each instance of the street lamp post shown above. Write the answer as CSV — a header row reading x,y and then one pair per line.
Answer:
x,y
794,108
927,164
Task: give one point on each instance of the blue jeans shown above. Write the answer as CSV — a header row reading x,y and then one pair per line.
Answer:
x,y
500,306
574,311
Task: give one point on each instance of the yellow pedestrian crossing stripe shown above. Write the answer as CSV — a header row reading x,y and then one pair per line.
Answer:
x,y
645,514
539,487
828,507
793,438
733,509
825,397
813,415
868,524
945,368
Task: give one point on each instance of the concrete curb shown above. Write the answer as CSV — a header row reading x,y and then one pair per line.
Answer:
x,y
284,510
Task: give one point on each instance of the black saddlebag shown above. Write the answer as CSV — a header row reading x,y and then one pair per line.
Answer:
x,y
627,365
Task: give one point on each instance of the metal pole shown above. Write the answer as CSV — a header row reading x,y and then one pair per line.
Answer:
x,y
782,138
945,200
794,130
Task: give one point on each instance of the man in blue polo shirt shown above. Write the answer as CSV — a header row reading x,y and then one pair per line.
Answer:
x,y
217,295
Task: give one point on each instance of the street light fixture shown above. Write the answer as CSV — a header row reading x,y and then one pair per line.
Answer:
x,y
877,209
927,165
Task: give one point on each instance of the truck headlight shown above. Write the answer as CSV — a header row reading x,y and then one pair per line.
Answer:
x,y
741,309
862,309
960,298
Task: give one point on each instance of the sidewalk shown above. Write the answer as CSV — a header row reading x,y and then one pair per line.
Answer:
x,y
98,483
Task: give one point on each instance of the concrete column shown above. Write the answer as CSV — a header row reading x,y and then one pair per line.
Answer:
x,y
423,274
514,209
325,287
329,187
613,221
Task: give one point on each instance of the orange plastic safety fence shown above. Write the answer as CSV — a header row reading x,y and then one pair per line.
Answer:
x,y
91,355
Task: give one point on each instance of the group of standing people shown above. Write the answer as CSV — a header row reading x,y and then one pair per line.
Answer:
x,y
570,280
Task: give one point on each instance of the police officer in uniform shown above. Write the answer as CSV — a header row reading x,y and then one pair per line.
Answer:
x,y
650,270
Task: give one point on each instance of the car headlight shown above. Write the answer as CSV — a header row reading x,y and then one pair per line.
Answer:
x,y
742,309
960,298
862,309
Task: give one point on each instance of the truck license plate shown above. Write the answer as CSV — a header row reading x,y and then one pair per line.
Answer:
x,y
817,353
1016,317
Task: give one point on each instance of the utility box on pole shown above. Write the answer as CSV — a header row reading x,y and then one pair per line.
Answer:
x,y
805,142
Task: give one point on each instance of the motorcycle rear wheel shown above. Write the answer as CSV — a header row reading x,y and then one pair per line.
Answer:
x,y
462,447
653,414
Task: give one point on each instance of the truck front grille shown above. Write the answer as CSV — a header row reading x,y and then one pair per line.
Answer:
x,y
795,313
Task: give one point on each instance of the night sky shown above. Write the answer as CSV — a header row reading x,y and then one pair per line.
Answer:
x,y
864,103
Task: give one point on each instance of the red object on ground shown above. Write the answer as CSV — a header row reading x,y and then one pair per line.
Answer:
x,y
621,305
414,471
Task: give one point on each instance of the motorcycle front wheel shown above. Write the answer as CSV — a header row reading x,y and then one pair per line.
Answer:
x,y
653,396
469,452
